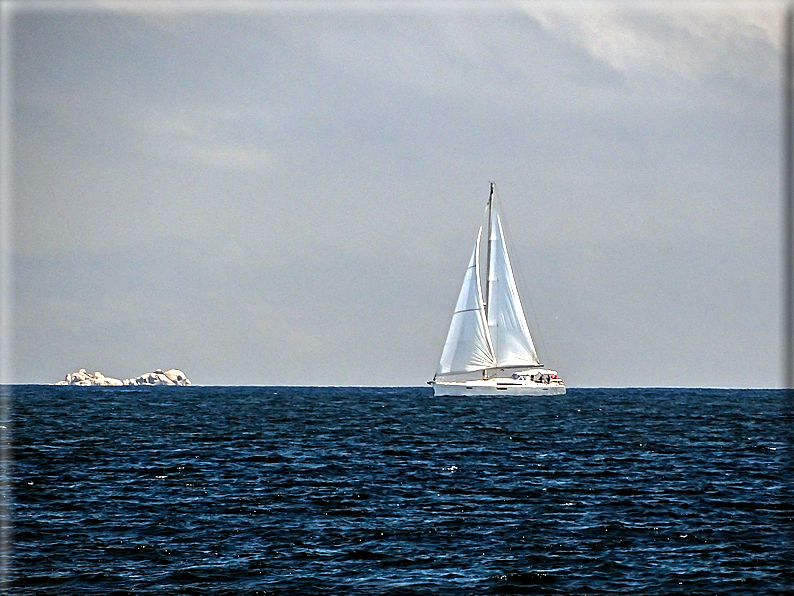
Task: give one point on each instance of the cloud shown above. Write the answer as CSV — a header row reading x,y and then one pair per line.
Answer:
x,y
685,42
231,138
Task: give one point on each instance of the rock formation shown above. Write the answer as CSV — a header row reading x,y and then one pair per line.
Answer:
x,y
172,376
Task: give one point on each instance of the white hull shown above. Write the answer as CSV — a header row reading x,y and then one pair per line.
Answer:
x,y
442,389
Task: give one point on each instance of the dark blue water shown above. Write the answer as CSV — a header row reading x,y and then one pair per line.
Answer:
x,y
235,490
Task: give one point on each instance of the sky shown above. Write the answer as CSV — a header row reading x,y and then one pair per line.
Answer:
x,y
269,193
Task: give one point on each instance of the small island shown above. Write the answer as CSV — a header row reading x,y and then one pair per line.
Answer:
x,y
172,376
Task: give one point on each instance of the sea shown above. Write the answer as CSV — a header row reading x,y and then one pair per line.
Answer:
x,y
391,491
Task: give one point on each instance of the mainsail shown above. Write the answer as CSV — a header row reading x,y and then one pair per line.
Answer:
x,y
493,334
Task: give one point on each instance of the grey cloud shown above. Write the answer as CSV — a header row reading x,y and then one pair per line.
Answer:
x,y
291,196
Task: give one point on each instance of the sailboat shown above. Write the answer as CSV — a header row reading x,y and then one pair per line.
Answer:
x,y
489,350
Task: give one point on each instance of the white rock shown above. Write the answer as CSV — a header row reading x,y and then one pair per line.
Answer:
x,y
172,376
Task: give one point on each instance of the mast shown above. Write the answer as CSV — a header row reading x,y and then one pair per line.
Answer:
x,y
488,256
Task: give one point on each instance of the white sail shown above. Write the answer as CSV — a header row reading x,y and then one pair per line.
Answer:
x,y
468,347
507,325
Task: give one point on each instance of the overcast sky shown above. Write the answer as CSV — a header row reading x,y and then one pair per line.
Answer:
x,y
289,193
